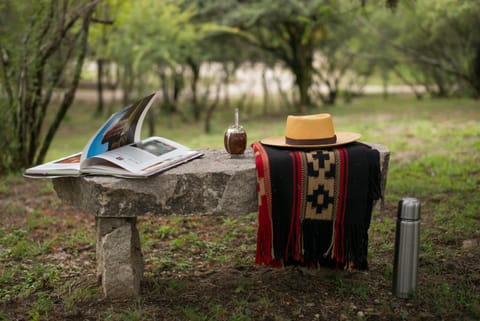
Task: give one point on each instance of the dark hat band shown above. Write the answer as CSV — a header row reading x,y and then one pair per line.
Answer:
x,y
316,141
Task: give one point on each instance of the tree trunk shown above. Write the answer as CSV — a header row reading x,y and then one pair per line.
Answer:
x,y
303,87
99,86
228,71
331,98
476,73
211,109
384,73
302,68
195,69
128,83
178,86
287,105
151,123
266,95
418,94
167,101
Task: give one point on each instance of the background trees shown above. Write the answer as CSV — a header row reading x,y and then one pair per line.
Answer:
x,y
42,48
431,43
99,39
290,32
191,51
151,39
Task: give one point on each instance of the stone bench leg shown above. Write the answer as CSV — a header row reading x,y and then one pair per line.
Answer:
x,y
119,257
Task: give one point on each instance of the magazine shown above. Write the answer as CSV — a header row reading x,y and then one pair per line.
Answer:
x,y
116,149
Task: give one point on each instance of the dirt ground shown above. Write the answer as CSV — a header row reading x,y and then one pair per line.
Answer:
x,y
233,289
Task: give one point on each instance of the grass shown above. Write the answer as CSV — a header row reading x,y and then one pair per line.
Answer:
x,y
201,268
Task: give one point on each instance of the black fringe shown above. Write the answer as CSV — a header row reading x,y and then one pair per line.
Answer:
x,y
356,245
317,237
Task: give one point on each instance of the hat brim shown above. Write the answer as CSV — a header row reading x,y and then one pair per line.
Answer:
x,y
342,139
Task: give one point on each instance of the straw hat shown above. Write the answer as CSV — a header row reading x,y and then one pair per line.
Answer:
x,y
311,131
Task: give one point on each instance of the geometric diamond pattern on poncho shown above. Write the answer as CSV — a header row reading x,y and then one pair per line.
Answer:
x,y
320,185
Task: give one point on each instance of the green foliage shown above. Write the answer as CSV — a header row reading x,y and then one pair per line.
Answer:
x,y
41,307
37,43
76,296
151,34
7,144
27,279
154,32
36,219
166,231
105,14
16,245
432,43
289,32
455,299
192,313
132,313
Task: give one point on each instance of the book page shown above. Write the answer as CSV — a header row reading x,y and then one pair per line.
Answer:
x,y
65,166
122,128
144,158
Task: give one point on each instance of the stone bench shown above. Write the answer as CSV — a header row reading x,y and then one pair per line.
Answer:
x,y
213,185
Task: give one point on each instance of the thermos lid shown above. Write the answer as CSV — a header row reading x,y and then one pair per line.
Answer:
x,y
409,209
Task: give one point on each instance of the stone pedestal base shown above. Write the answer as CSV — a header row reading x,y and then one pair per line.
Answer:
x,y
119,257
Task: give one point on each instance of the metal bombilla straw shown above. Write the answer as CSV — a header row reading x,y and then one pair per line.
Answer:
x,y
236,117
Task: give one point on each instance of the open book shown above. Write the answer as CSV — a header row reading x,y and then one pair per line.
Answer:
x,y
116,149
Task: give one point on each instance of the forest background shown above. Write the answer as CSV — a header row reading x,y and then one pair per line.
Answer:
x,y
306,54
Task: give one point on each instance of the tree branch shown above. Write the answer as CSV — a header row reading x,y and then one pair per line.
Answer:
x,y
103,21
4,61
418,56
70,94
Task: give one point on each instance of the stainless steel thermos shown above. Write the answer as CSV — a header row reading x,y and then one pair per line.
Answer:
x,y
407,239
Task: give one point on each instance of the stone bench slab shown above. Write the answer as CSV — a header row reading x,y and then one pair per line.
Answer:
x,y
214,184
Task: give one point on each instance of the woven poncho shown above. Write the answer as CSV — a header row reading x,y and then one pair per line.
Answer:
x,y
314,206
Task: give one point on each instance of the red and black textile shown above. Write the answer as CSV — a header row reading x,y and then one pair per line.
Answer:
x,y
314,206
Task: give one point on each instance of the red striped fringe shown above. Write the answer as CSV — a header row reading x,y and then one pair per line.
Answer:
x,y
339,246
264,234
294,235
